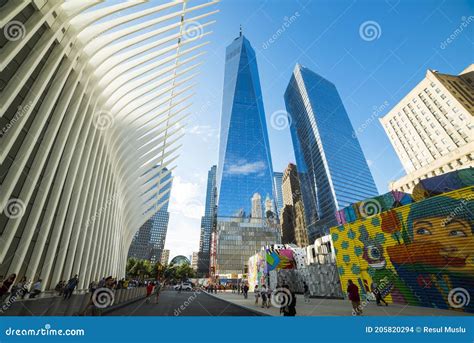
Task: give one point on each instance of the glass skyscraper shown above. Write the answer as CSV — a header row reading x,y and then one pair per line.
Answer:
x,y
245,165
207,224
244,171
149,242
278,180
331,165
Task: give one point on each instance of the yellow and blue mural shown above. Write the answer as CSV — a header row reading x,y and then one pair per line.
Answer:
x,y
420,254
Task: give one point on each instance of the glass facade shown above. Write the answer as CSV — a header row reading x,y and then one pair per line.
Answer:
x,y
240,238
278,180
207,223
149,242
245,165
331,165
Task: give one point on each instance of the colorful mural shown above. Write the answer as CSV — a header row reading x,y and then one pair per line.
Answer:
x,y
420,254
279,259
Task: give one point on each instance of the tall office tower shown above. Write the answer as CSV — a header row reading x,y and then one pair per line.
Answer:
x,y
149,242
165,257
91,96
432,127
293,217
245,165
277,181
207,224
194,260
332,168
257,206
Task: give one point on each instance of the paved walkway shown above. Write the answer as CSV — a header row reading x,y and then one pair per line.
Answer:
x,y
336,307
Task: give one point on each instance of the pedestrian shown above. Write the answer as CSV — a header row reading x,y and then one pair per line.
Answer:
x,y
246,291
36,289
158,290
378,296
60,287
257,294
354,297
20,288
5,287
70,286
306,292
269,296
289,308
263,295
149,291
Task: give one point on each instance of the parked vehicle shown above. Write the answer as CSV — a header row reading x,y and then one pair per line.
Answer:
x,y
185,286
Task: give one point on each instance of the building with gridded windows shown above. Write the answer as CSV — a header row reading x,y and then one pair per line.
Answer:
x,y
431,128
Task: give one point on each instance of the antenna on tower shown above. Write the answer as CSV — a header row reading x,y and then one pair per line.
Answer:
x,y
240,35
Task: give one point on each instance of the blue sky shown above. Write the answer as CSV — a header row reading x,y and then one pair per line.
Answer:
x,y
370,75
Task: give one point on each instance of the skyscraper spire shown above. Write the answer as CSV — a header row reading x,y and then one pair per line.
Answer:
x,y
240,33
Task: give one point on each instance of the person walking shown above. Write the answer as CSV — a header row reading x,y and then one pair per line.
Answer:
x,y
70,286
36,290
269,296
263,295
246,291
257,294
5,287
306,292
354,297
378,295
149,291
158,290
289,309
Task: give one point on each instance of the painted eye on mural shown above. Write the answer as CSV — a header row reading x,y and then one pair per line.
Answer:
x,y
423,231
374,252
457,233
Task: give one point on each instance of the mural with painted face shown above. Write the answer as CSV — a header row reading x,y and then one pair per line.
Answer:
x,y
422,251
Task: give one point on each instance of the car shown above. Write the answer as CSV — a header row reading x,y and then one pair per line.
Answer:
x,y
185,286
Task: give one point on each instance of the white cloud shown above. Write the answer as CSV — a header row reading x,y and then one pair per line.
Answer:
x,y
246,168
187,198
205,132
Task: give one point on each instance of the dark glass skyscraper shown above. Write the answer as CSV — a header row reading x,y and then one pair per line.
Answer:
x,y
207,224
332,168
149,242
245,165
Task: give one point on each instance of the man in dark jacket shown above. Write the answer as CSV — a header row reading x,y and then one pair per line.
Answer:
x,y
354,297
70,286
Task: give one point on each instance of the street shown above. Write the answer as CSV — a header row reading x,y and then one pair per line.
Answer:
x,y
172,303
